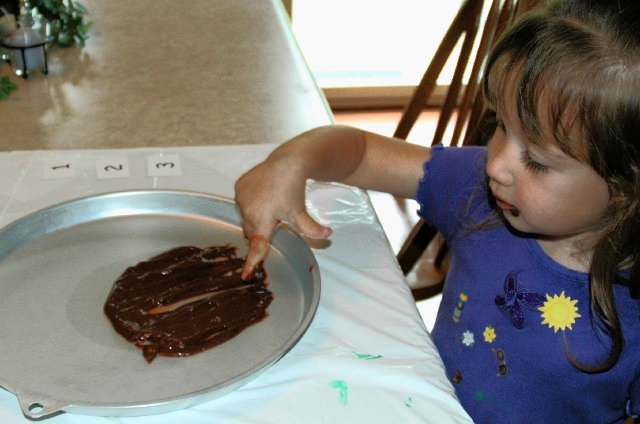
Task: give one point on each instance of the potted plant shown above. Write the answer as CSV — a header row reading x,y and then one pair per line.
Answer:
x,y
66,25
66,19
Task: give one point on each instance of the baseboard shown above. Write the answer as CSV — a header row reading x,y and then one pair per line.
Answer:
x,y
352,98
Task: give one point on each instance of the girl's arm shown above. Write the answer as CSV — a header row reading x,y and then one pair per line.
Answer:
x,y
274,190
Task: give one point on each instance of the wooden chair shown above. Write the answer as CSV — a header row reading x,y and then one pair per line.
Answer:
x,y
463,101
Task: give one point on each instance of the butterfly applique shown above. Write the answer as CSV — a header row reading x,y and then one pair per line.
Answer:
x,y
515,298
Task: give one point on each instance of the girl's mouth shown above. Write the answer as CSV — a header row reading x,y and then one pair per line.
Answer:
x,y
506,207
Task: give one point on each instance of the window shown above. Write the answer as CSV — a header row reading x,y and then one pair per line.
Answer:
x,y
367,53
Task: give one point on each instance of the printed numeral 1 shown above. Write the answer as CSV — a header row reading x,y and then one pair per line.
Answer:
x,y
59,168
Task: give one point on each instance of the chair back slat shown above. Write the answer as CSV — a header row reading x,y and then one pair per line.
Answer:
x,y
466,100
474,117
463,100
464,26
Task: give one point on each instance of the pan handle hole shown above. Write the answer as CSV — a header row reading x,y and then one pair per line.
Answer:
x,y
36,408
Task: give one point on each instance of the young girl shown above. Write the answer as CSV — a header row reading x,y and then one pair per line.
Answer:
x,y
539,320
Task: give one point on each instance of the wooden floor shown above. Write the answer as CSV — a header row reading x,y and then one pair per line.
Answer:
x,y
398,215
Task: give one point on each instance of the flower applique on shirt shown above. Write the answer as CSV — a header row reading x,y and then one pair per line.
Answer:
x,y
515,298
489,334
467,338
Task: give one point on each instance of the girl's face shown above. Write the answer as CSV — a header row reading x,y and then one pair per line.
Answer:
x,y
540,189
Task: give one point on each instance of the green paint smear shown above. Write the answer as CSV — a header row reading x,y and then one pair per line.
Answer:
x,y
365,356
409,403
341,385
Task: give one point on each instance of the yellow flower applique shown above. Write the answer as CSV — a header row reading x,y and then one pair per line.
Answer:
x,y
489,334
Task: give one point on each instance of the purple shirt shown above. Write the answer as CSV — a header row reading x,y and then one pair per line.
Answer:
x,y
509,314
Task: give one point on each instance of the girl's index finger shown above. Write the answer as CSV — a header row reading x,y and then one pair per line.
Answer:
x,y
258,249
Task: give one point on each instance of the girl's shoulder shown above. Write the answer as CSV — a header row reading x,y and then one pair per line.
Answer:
x,y
451,168
453,184
443,156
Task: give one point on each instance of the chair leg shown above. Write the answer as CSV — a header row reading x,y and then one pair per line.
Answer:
x,y
441,256
414,248
427,292
415,245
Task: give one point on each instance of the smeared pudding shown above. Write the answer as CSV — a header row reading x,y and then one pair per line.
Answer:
x,y
186,300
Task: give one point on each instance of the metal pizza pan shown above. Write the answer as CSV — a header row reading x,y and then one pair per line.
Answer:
x,y
57,266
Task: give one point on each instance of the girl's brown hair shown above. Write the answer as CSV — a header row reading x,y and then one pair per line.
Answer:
x,y
582,58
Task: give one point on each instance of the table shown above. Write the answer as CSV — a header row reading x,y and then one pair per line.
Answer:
x,y
161,73
216,85
366,358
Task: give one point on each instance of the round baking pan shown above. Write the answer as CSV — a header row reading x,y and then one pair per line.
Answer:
x,y
57,266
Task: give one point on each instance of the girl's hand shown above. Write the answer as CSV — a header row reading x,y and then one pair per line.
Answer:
x,y
271,193
274,191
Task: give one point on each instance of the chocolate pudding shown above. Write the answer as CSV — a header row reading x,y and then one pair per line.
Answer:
x,y
186,300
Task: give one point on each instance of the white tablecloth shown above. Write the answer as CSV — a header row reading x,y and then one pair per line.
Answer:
x,y
367,356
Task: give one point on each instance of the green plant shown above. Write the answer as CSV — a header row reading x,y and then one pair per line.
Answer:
x,y
66,18
6,87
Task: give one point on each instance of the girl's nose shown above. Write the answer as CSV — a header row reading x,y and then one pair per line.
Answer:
x,y
500,161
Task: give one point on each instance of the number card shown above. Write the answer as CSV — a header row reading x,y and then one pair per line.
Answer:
x,y
59,168
164,166
112,168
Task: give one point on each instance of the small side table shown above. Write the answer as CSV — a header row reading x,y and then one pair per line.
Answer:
x,y
23,50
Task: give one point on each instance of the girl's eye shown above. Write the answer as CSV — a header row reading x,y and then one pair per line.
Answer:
x,y
531,164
